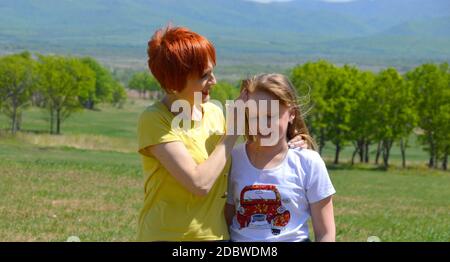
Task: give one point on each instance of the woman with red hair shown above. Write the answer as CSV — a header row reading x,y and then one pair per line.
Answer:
x,y
185,169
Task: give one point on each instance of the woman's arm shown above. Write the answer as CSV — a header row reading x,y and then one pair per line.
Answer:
x,y
323,220
197,178
229,213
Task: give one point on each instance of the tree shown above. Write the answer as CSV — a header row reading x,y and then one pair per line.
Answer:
x,y
119,95
431,89
340,99
408,119
62,81
16,86
106,87
394,115
362,119
143,82
311,81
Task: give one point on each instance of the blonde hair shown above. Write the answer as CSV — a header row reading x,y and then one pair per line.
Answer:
x,y
280,87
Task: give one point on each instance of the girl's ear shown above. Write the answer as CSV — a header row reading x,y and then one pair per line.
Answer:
x,y
291,115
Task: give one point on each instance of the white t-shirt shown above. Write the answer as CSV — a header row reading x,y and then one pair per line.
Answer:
x,y
273,204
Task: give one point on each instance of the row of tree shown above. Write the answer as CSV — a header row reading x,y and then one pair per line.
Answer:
x,y
148,87
350,106
144,83
342,105
61,85
347,106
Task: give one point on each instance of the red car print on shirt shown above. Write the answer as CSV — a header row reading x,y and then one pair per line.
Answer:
x,y
260,207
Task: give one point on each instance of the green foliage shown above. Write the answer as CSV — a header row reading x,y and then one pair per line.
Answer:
x,y
431,89
332,96
143,82
17,73
63,82
119,95
340,100
341,105
395,114
60,84
223,91
107,89
311,80
348,105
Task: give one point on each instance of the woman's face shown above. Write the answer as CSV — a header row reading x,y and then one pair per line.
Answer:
x,y
202,84
277,118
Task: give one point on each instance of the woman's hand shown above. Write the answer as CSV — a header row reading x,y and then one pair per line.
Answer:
x,y
298,142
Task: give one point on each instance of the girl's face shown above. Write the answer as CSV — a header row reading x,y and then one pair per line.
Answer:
x,y
273,130
202,84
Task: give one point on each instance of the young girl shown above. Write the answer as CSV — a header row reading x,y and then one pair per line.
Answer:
x,y
273,190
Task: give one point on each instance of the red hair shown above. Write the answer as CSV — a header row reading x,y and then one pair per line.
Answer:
x,y
174,53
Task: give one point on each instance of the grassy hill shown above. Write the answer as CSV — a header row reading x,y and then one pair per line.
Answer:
x,y
246,33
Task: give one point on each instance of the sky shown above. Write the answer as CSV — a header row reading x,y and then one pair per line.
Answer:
x,y
330,1
268,1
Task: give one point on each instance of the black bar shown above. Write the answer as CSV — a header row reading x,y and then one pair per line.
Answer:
x,y
223,250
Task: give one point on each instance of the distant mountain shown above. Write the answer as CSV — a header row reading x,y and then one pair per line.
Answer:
x,y
362,31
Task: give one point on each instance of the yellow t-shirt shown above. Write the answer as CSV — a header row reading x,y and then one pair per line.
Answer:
x,y
171,212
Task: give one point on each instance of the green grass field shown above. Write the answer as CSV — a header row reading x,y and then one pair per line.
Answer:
x,y
87,182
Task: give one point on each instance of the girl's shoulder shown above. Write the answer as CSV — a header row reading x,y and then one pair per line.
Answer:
x,y
307,157
306,153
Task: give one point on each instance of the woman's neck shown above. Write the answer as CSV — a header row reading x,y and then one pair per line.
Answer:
x,y
266,157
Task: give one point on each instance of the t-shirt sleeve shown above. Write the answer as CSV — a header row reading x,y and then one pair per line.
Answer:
x,y
319,184
154,129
